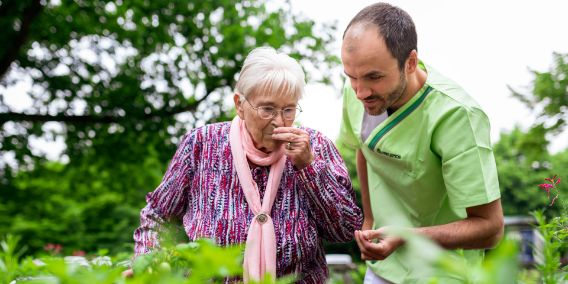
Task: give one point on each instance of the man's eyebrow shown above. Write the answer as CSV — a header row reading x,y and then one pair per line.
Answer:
x,y
373,74
347,74
367,75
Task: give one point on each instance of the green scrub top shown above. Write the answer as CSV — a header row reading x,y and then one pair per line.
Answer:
x,y
427,162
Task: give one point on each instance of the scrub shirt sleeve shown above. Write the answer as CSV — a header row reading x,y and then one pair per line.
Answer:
x,y
461,139
347,136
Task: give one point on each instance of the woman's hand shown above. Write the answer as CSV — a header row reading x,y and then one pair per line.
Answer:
x,y
296,145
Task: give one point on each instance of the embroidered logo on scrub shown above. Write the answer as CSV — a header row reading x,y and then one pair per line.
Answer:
x,y
396,156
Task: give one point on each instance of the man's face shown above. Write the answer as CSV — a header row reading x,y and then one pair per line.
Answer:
x,y
372,70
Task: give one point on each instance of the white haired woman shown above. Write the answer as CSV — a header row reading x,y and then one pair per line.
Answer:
x,y
258,180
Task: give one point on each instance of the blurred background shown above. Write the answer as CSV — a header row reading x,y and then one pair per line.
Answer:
x,y
94,96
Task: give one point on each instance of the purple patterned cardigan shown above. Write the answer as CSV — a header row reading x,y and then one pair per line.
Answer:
x,y
202,189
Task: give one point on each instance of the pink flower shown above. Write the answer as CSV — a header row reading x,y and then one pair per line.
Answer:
x,y
57,248
546,186
78,253
53,248
48,247
553,180
551,185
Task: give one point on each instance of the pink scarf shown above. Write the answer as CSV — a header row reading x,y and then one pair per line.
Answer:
x,y
260,250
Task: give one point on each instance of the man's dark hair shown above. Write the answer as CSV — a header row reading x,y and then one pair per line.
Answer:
x,y
394,25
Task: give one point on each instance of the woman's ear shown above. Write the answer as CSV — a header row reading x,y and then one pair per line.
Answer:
x,y
239,106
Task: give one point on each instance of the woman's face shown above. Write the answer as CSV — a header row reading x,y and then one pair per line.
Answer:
x,y
261,129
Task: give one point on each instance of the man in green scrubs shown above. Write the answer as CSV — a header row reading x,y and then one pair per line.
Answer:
x,y
424,156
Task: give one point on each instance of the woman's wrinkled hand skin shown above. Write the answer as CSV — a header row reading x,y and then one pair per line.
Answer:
x,y
296,145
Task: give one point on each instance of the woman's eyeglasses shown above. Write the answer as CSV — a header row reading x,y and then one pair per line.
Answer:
x,y
269,112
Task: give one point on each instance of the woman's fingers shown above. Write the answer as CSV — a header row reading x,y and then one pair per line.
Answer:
x,y
297,145
290,134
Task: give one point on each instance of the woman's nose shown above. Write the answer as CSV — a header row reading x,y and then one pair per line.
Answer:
x,y
278,118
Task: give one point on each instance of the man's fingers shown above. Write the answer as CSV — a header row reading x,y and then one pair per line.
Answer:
x,y
373,234
370,254
361,242
369,250
357,239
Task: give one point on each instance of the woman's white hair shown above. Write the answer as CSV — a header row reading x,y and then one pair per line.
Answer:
x,y
268,72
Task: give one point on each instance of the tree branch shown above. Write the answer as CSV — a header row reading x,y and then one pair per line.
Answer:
x,y
14,116
82,119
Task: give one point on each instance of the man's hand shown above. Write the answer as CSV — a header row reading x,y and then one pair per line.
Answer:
x,y
375,245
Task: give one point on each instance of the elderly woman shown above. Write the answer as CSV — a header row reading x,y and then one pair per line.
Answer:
x,y
258,180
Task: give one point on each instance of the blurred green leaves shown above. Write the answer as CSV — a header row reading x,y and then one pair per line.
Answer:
x,y
196,262
520,173
201,260
549,94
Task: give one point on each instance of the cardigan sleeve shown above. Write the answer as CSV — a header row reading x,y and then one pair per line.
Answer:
x,y
331,197
169,200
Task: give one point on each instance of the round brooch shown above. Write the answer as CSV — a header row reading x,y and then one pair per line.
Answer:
x,y
262,218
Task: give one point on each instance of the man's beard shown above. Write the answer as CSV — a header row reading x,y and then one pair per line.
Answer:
x,y
391,98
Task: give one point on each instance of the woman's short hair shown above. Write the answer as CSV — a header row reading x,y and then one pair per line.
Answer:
x,y
266,71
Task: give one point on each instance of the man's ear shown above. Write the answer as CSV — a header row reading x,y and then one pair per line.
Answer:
x,y
412,62
239,106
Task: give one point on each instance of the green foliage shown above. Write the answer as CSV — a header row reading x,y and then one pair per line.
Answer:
x,y
86,215
154,69
550,268
500,266
355,275
201,260
197,262
522,156
9,258
119,82
519,175
550,94
554,234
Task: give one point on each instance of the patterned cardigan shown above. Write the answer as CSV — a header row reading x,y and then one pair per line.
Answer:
x,y
202,189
